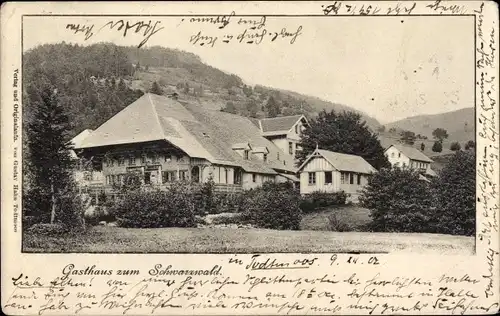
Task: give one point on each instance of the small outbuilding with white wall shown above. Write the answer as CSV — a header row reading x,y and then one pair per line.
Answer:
x,y
331,172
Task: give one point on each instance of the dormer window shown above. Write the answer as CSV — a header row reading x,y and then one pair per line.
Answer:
x,y
243,149
265,157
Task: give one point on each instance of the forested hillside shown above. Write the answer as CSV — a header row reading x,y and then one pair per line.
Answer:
x,y
95,82
90,81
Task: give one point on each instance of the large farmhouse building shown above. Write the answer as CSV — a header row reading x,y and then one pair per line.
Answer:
x,y
164,140
330,172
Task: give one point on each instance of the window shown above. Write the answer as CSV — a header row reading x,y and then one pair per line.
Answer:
x,y
351,178
147,177
143,159
290,148
168,158
237,176
226,177
121,161
399,155
265,157
168,176
246,154
278,155
392,155
254,177
312,178
109,162
107,180
342,177
131,160
154,158
359,179
296,128
183,175
328,177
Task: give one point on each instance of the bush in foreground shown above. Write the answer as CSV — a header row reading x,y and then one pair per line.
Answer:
x,y
336,225
456,190
46,229
311,202
274,206
150,209
399,201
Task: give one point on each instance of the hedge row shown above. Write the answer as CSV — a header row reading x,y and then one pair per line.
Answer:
x,y
274,206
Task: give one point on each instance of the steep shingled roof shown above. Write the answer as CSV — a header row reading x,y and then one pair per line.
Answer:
x,y
411,153
279,124
78,139
197,131
343,162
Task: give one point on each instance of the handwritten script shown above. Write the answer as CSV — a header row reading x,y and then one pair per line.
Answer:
x,y
488,161
256,284
239,30
123,27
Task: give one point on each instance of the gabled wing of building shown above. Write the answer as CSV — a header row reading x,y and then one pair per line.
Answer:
x,y
412,153
278,125
343,162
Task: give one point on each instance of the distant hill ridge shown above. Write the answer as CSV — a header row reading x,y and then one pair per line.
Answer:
x,y
459,124
172,67
97,81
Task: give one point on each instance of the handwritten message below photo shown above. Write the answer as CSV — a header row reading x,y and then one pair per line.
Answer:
x,y
257,284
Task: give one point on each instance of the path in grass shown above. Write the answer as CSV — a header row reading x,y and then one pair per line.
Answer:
x,y
226,240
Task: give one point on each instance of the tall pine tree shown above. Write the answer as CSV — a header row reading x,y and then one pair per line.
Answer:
x,y
344,133
50,163
272,107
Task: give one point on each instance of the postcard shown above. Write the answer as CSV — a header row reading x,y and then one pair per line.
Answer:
x,y
250,157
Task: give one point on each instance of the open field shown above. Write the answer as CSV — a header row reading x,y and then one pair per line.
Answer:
x,y
106,239
355,217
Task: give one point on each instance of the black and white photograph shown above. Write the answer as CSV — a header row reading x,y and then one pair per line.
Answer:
x,y
250,157
243,134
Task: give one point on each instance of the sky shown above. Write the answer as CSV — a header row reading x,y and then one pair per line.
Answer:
x,y
388,67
